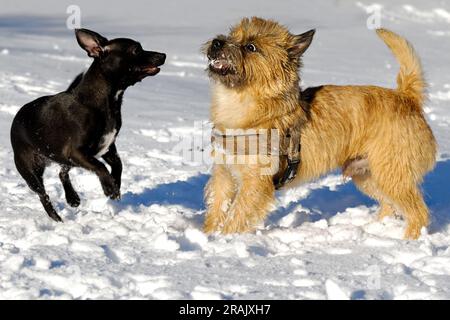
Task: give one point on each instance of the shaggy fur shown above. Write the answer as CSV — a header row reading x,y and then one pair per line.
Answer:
x,y
378,136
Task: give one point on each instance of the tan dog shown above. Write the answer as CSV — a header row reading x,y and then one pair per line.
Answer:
x,y
378,136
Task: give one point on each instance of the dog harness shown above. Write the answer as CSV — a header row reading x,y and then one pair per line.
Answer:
x,y
288,151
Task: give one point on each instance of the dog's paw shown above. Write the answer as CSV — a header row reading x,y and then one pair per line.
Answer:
x,y
110,188
213,221
236,226
412,232
210,228
73,200
54,216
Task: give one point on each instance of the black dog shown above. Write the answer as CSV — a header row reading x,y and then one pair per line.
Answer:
x,y
75,127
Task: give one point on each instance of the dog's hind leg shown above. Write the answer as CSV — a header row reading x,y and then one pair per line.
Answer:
x,y
408,199
368,186
72,197
358,169
32,171
399,183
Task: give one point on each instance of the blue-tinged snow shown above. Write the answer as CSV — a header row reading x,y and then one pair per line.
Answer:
x,y
323,240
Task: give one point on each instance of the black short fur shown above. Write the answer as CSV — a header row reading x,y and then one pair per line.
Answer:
x,y
76,127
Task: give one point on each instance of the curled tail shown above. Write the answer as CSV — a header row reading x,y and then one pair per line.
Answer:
x,y
410,80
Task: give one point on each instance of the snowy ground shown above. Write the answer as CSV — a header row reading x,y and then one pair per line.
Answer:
x,y
323,240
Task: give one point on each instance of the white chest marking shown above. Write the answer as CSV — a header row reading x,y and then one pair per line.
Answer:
x,y
118,94
106,142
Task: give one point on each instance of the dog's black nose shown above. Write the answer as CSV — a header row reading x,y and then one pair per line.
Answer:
x,y
217,44
162,58
157,58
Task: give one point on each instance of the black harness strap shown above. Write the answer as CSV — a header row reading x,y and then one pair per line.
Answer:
x,y
293,161
291,147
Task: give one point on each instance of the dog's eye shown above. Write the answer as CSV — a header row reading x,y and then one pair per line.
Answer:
x,y
137,50
250,47
217,44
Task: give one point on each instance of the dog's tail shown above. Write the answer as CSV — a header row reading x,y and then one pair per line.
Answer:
x,y
410,79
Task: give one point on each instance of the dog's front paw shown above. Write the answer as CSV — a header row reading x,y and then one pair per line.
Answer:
x,y
236,224
232,227
210,227
213,221
73,200
110,188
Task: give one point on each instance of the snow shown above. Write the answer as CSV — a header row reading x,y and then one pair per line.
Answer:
x,y
323,240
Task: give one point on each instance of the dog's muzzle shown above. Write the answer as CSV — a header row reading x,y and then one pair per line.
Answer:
x,y
220,65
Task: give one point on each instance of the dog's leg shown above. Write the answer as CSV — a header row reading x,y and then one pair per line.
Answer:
x,y
386,210
416,212
255,196
400,185
71,195
32,172
367,185
219,194
358,169
112,158
408,199
90,163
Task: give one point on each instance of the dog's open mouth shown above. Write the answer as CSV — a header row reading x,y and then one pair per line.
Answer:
x,y
220,66
150,71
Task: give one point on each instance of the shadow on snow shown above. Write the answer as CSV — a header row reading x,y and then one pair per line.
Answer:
x,y
323,203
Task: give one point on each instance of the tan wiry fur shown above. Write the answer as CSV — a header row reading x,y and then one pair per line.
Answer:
x,y
377,135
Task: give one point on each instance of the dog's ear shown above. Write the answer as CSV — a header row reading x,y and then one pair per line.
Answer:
x,y
302,42
91,41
